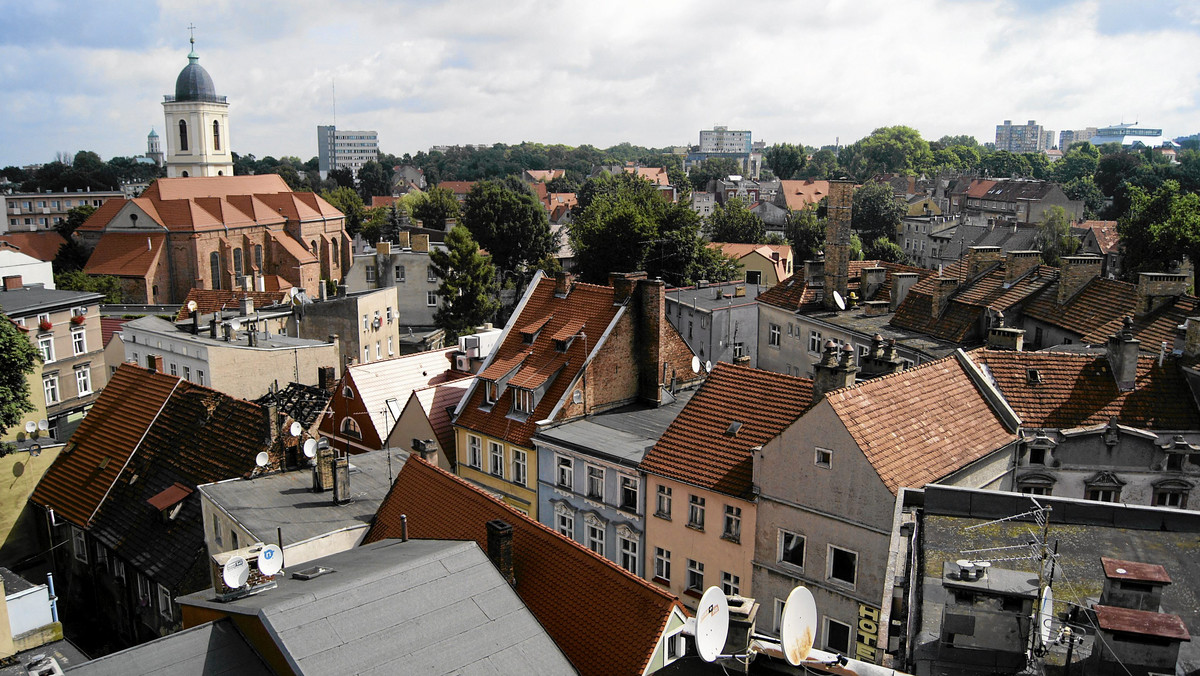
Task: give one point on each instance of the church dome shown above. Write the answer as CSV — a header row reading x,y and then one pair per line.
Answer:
x,y
194,83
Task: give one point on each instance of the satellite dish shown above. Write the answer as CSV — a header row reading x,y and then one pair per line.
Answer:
x,y
712,623
235,573
235,324
1046,615
310,448
43,425
31,427
837,299
270,560
262,459
708,366
695,364
295,429
191,306
798,627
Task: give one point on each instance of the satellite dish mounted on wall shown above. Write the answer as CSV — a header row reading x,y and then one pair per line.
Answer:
x,y
191,306
310,448
270,560
31,427
798,626
295,429
236,572
262,459
712,624
839,301
695,364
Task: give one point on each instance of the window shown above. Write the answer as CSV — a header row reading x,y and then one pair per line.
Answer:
x,y
216,529
730,584
391,347
370,270
1170,498
79,544
79,342
143,589
187,373
83,380
233,539
663,507
200,376
46,345
773,335
399,274
366,354
739,350
183,145
164,602
695,576
430,275
696,512
565,521
366,322
595,482
778,624
1037,455
258,262
214,269
388,314
843,565
238,271
174,368
378,350
491,391
753,277
595,534
350,428
216,135
824,458
523,400
118,568
837,636
564,472
733,523
791,548
431,298
662,564
50,385
496,456
474,451
629,550
629,493
519,467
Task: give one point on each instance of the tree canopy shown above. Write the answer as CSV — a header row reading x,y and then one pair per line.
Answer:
x,y
712,168
347,201
877,212
733,222
1160,229
506,218
785,160
805,233
18,358
434,207
468,284
1054,238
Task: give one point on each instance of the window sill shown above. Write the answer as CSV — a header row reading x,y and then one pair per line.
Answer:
x,y
736,539
661,580
694,593
695,527
840,583
663,515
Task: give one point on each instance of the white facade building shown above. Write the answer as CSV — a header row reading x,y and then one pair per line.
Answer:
x,y
344,149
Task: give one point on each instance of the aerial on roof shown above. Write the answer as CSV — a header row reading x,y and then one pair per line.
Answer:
x,y
606,620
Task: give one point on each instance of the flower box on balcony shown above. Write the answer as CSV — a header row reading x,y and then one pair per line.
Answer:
x,y
77,319
45,325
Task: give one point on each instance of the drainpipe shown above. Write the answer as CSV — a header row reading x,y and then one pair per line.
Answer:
x,y
53,598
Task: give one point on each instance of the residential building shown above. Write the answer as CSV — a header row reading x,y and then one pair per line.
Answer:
x,y
722,140
366,323
747,190
404,267
119,507
231,353
197,119
344,149
1071,136
800,195
657,176
1102,239
703,202
774,217
938,241
29,623
569,350
1023,138
700,480
589,487
31,270
718,321
41,211
226,232
64,326
562,583
425,418
542,175
1021,201
764,265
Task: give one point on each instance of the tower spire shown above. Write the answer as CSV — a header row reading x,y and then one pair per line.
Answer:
x,y
192,40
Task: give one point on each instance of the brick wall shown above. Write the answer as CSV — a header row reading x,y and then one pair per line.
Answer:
x,y
1075,273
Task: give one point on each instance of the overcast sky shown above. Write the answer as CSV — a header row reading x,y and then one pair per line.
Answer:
x,y
91,75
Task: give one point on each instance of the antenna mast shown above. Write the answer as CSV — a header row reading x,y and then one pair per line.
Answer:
x,y
333,89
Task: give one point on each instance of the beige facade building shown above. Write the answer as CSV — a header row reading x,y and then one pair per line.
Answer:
x,y
44,210
197,125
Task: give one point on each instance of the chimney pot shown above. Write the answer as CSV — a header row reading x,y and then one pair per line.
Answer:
x,y
500,548
1122,353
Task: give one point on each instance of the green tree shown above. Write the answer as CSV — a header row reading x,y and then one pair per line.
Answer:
x,y
884,249
77,280
508,220
806,233
343,177
960,140
17,360
435,207
374,180
1084,188
856,247
468,284
876,212
1160,229
1003,164
1054,238
347,201
290,176
1113,169
75,218
1078,162
712,168
733,222
785,160
890,150
822,166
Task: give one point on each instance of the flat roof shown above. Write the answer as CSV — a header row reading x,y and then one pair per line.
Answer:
x,y
210,648
714,296
623,434
856,320
177,332
286,500
35,298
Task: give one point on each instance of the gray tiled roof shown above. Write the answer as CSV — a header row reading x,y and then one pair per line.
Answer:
x,y
211,649
30,299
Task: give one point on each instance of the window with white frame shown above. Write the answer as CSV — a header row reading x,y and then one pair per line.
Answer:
x,y
595,482
378,350
391,346
164,602
629,493
733,524
595,534
823,458
474,451
663,503
50,386
520,467
430,274
842,566
388,314
695,575
200,376
366,322
564,468
46,346
491,391
522,400
773,333
629,549
496,456
79,544
187,373
83,380
174,368
79,342
791,548
777,624
431,298
399,271
837,636
564,520
696,512
662,564
351,429
731,584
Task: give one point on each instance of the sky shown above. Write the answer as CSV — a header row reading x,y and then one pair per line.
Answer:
x,y
91,75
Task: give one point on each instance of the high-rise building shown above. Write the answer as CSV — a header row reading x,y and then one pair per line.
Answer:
x,y
197,125
1128,134
721,140
1066,138
343,149
1023,138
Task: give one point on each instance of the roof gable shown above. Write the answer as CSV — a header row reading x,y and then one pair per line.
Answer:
x,y
126,254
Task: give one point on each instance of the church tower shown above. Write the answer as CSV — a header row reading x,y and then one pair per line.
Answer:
x,y
154,147
197,124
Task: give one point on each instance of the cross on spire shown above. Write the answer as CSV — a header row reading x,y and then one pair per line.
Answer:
x,y
191,33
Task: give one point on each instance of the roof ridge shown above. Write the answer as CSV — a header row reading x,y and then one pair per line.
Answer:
x,y
876,379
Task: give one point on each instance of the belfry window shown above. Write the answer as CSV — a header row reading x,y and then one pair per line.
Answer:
x,y
216,135
183,145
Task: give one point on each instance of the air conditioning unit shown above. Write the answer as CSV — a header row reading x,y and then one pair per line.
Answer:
x,y
462,362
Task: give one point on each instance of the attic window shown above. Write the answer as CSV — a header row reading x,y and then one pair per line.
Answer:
x,y
169,501
1033,376
734,427
563,344
491,391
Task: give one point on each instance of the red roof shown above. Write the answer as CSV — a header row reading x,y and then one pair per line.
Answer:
x,y
1116,569
1107,237
109,326
802,194
1142,622
209,301
1099,309
702,448
170,496
125,254
606,620
42,245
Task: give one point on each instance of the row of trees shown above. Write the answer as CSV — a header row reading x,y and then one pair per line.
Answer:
x,y
82,171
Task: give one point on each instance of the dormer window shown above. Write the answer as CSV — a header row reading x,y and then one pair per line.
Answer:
x,y
529,332
523,401
491,391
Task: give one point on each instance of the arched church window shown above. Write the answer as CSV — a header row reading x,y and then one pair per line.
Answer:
x,y
184,174
314,247
183,135
216,135
258,257
237,263
333,249
214,262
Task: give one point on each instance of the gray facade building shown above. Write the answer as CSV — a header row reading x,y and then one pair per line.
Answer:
x,y
345,149
1023,138
717,321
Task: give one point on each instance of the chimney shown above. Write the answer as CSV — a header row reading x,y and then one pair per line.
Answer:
x,y
420,243
835,370
871,281
980,258
623,284
212,326
901,283
875,308
650,325
1156,289
1123,356
943,289
325,379
383,248
322,291
402,240
12,282
814,272
1075,273
1191,337
500,548
195,323
562,284
154,362
341,480
882,358
323,470
837,241
341,290
1006,338
1018,263
272,413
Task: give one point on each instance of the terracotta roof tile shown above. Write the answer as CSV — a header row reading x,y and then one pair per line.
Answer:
x,y
802,194
169,496
125,254
42,245
1098,310
698,449
920,425
1117,569
1106,234
209,301
1143,622
102,215
605,620
1078,390
214,186
109,326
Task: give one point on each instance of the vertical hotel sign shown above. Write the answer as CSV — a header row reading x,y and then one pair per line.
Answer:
x,y
867,648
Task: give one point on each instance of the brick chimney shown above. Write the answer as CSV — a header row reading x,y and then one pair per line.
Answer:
x,y
323,470
1123,356
623,284
1017,263
562,284
650,333
12,282
814,272
1156,289
871,281
1075,273
500,548
383,248
835,370
154,362
246,306
837,241
325,378
943,289
901,283
402,240
420,243
980,258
